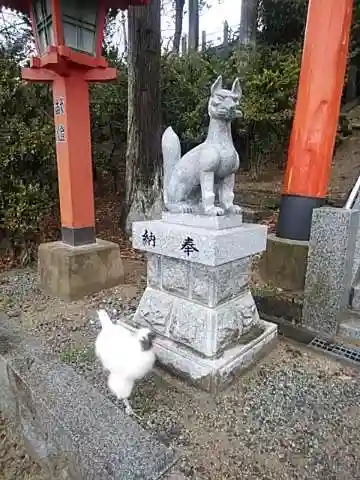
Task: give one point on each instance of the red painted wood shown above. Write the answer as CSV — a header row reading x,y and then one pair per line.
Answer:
x,y
318,101
23,5
57,22
100,26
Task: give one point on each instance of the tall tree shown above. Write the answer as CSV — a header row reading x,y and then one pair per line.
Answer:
x,y
16,39
195,7
179,15
143,159
110,51
248,23
194,10
282,22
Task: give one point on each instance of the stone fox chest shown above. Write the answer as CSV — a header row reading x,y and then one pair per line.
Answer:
x,y
228,162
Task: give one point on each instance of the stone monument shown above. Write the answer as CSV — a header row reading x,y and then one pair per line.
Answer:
x,y
199,256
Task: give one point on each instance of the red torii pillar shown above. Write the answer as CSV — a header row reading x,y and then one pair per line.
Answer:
x,y
316,115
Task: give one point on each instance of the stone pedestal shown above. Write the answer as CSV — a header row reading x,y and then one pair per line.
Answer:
x,y
74,272
198,298
329,271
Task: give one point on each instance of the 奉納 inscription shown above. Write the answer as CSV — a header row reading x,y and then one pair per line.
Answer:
x,y
148,238
188,246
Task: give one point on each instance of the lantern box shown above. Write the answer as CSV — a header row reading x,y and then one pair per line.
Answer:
x,y
73,29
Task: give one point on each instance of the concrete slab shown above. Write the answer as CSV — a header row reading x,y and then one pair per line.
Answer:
x,y
349,327
329,270
355,298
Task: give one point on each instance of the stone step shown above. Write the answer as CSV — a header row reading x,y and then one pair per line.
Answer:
x,y
254,214
262,199
350,327
355,298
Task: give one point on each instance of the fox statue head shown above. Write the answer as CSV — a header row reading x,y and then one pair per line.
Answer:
x,y
223,103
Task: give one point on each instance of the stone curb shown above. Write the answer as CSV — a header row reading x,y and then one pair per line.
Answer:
x,y
66,424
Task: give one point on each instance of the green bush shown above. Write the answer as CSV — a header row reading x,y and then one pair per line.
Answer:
x,y
109,124
27,155
269,98
185,92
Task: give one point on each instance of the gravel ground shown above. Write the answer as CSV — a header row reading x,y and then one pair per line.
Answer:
x,y
295,415
15,464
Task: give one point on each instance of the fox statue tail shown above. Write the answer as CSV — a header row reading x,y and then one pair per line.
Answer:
x,y
171,151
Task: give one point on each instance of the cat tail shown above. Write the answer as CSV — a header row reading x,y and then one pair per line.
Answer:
x,y
171,151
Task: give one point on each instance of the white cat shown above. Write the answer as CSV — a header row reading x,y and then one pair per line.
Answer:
x,y
127,356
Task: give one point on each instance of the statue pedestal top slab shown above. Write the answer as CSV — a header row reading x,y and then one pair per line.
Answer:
x,y
203,221
199,244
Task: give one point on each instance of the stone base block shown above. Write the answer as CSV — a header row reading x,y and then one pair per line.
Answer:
x,y
349,328
210,286
284,263
74,272
209,331
355,298
198,298
213,375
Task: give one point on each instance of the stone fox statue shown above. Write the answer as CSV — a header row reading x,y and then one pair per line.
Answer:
x,y
202,181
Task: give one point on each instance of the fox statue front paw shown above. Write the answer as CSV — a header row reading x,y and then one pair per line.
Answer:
x,y
234,209
179,208
214,211
185,208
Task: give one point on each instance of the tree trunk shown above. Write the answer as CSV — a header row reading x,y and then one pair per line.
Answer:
x,y
143,158
123,28
248,24
179,15
193,25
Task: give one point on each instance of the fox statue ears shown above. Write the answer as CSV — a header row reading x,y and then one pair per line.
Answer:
x,y
236,88
217,85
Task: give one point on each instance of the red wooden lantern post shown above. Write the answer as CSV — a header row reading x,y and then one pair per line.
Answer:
x,y
69,37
